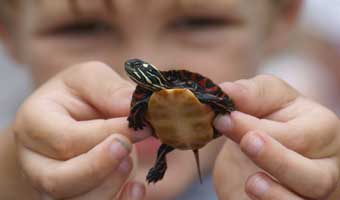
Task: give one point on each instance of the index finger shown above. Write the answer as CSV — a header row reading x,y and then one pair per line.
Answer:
x,y
256,101
269,104
101,87
261,95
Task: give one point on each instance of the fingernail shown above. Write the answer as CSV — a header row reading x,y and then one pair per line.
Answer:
x,y
258,186
125,166
137,192
120,148
223,123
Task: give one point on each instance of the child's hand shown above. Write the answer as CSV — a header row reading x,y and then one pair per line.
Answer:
x,y
293,139
73,139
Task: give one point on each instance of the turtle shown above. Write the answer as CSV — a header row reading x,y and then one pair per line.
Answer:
x,y
179,106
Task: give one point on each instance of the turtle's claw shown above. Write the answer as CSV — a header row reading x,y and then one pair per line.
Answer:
x,y
155,175
135,123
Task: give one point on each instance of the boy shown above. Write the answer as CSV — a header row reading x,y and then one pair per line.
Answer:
x,y
72,140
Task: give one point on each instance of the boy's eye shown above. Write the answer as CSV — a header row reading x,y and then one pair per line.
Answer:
x,y
200,23
83,29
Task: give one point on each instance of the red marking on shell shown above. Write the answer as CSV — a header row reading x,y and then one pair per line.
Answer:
x,y
203,82
212,89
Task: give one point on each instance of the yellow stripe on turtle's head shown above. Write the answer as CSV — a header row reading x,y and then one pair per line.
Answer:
x,y
145,75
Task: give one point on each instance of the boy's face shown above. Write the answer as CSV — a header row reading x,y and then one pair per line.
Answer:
x,y
222,39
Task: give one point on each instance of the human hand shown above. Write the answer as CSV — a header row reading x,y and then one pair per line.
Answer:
x,y
72,135
294,140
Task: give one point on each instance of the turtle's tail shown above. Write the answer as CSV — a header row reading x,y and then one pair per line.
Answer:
x,y
197,158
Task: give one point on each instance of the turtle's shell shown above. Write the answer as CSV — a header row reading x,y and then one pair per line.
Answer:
x,y
179,119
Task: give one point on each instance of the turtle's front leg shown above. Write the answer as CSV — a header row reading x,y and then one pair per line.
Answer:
x,y
157,172
136,118
139,106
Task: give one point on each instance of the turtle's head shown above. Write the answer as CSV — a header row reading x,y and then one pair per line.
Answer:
x,y
145,75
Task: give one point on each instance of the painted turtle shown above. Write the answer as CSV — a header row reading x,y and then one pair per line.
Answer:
x,y
179,105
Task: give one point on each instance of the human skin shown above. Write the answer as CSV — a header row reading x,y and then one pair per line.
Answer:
x,y
279,149
165,38
155,33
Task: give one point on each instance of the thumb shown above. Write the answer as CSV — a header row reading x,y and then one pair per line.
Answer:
x,y
133,191
61,179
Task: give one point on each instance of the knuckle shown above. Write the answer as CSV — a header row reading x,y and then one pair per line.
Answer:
x,y
281,167
121,90
50,185
87,71
18,126
90,67
265,79
301,144
333,121
269,78
324,187
329,127
94,173
34,131
118,86
24,125
62,147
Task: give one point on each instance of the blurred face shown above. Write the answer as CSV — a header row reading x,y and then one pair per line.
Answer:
x,y
222,39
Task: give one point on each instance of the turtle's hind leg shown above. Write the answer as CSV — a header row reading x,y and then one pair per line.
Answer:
x,y
157,172
220,105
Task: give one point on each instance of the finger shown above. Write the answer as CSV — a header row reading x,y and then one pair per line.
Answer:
x,y
61,179
261,95
109,188
256,100
304,176
48,122
62,138
296,133
101,86
112,184
133,191
262,187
